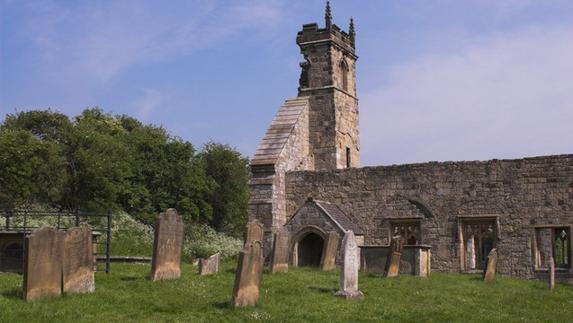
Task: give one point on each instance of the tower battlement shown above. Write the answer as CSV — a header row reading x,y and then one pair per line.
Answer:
x,y
311,34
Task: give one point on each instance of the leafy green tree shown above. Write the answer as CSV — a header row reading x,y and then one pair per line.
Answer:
x,y
33,171
229,170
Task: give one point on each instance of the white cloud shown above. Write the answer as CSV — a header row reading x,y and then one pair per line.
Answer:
x,y
507,96
102,39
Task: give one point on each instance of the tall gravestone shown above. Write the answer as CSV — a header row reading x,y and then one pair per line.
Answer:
x,y
350,266
328,260
167,245
491,267
250,268
77,267
43,264
394,255
280,251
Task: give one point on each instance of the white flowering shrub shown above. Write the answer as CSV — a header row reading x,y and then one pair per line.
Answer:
x,y
203,241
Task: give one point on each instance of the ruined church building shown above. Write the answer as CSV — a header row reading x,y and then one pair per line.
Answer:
x,y
306,176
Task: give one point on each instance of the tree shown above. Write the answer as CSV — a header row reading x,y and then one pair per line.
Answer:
x,y
230,197
33,171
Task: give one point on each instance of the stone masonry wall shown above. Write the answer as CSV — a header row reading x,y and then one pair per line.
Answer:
x,y
520,194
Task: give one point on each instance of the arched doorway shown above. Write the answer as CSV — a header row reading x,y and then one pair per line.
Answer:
x,y
309,250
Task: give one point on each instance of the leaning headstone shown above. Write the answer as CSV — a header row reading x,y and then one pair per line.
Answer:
x,y
166,262
77,267
280,251
394,255
248,275
43,264
328,260
551,273
350,266
254,231
489,274
210,265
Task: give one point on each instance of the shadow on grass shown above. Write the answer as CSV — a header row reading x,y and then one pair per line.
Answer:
x,y
15,293
222,305
133,278
230,270
322,289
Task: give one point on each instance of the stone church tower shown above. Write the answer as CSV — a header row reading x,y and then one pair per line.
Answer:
x,y
317,130
328,78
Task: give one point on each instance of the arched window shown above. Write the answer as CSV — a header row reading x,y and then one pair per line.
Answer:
x,y
344,74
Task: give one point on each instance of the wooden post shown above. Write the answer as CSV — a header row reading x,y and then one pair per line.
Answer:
x,y
551,273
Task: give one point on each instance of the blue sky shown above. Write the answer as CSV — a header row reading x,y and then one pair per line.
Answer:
x,y
437,80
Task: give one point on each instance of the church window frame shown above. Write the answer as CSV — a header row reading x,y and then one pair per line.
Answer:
x,y
552,241
344,72
410,229
477,235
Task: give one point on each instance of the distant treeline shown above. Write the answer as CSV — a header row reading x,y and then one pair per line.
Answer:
x,y
97,161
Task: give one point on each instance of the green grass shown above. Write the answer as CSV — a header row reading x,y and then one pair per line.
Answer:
x,y
300,295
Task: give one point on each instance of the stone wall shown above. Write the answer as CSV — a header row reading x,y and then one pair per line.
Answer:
x,y
517,194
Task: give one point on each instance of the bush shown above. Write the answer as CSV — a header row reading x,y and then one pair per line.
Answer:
x,y
203,241
130,237
133,238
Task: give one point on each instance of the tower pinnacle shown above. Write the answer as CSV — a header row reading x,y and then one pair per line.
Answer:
x,y
351,31
328,15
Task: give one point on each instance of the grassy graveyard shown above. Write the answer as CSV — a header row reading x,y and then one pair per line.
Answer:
x,y
299,295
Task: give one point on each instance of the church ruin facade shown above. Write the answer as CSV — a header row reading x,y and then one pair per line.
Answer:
x,y
306,176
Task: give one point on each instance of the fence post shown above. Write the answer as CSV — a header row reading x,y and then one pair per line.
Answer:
x,y
108,243
77,217
8,215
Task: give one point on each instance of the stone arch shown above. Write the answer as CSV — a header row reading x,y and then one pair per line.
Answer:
x,y
307,246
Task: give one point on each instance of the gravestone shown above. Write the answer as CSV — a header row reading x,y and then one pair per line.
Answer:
x,y
248,275
551,273
78,267
43,264
254,231
280,251
394,255
210,265
328,260
166,262
350,266
491,267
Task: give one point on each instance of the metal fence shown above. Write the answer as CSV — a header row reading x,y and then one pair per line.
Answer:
x,y
25,221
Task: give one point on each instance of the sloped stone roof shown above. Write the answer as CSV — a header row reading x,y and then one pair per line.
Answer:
x,y
339,217
279,131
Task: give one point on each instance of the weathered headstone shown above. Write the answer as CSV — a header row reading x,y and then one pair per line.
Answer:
x,y
551,273
254,231
394,255
248,275
210,265
78,268
491,267
350,266
280,251
166,263
328,260
43,264
422,262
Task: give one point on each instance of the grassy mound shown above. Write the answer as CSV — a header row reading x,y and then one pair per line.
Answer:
x,y
301,295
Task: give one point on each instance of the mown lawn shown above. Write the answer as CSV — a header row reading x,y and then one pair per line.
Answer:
x,y
301,295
